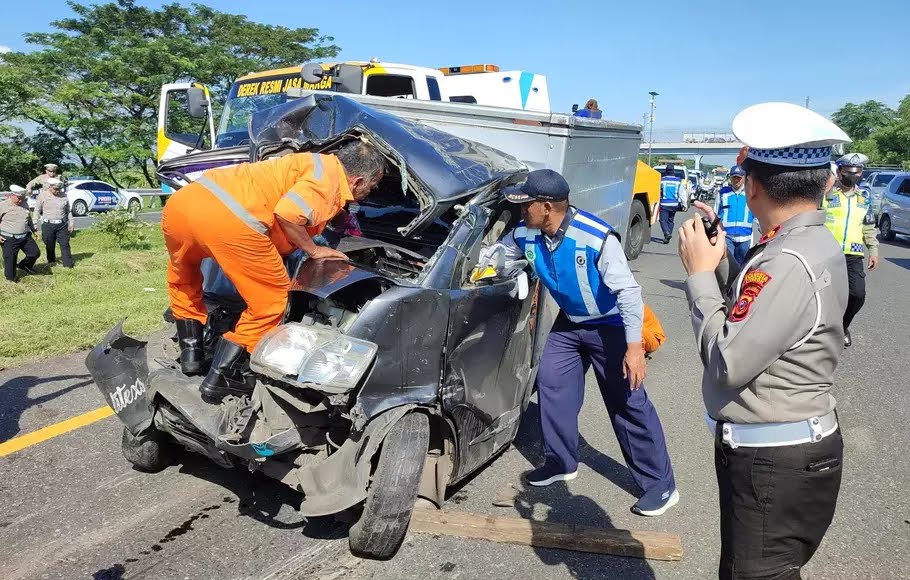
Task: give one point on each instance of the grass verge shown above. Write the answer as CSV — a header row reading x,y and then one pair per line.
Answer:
x,y
59,311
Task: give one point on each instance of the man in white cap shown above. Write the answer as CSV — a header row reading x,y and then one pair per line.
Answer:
x,y
53,209
40,182
16,231
770,337
852,221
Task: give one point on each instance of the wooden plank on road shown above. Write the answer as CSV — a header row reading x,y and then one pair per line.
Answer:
x,y
648,545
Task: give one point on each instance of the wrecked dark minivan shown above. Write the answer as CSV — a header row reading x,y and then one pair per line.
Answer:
x,y
393,375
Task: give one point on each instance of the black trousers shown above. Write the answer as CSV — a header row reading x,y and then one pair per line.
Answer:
x,y
856,280
54,234
776,504
11,249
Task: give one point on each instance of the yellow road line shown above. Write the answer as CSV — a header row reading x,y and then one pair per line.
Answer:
x,y
35,437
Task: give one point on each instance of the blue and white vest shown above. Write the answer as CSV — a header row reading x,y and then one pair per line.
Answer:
x,y
570,271
669,190
737,218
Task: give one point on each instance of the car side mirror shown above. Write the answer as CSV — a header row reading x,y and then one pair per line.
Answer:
x,y
197,104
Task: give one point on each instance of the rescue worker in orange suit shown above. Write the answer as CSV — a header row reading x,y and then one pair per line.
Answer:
x,y
247,217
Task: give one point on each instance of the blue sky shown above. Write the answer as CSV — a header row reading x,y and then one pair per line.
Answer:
x,y
707,59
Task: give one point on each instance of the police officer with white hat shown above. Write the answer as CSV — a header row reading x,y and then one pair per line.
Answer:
x,y
770,337
852,221
16,231
53,209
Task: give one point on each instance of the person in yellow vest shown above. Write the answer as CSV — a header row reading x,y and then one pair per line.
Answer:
x,y
850,218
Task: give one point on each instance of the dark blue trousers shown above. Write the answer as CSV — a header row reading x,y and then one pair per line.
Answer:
x,y
570,351
667,216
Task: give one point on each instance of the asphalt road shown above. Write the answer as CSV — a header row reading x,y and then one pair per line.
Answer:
x,y
73,507
81,223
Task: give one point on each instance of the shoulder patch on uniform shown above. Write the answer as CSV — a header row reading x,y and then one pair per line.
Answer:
x,y
753,282
529,254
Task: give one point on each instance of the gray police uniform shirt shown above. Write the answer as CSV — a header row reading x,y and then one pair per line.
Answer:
x,y
52,207
40,180
614,272
746,338
15,218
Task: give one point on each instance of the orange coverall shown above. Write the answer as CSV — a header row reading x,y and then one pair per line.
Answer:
x,y
304,188
652,334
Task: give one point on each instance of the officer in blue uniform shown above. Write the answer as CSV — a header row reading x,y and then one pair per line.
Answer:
x,y
735,215
671,200
580,260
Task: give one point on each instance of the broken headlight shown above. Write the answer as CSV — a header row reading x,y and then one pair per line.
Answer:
x,y
322,359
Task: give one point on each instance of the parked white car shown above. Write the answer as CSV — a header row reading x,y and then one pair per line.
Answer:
x,y
87,195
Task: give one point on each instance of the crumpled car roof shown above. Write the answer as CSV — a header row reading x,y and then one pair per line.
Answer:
x,y
448,166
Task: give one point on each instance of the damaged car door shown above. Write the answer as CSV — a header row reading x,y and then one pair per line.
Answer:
x,y
490,339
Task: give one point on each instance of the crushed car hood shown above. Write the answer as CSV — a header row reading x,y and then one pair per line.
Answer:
x,y
322,278
446,167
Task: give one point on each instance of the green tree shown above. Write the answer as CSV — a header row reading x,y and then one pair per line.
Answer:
x,y
860,121
94,82
21,155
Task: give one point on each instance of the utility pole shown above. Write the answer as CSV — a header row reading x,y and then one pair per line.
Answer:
x,y
807,102
651,135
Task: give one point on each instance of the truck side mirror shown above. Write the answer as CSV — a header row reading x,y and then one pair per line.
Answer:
x,y
197,104
312,73
349,79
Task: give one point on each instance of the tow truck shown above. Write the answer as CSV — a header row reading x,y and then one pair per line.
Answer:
x,y
507,110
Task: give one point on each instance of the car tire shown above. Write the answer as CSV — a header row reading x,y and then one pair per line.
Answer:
x,y
80,208
393,491
148,452
638,230
884,226
134,205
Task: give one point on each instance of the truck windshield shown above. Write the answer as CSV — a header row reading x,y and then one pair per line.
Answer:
x,y
245,98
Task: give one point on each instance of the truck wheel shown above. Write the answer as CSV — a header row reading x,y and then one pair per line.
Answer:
x,y
387,511
638,229
884,227
149,452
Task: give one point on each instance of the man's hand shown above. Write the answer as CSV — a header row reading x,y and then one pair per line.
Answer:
x,y
327,253
873,262
697,252
634,367
2,239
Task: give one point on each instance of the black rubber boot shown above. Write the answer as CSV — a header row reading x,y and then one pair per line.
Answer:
x,y
192,354
230,373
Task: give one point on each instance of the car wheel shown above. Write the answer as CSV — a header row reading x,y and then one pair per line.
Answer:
x,y
387,511
134,205
149,452
885,228
635,237
80,208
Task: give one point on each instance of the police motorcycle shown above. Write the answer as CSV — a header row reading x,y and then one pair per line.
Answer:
x,y
395,374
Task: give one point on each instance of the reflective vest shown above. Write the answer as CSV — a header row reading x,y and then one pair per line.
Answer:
x,y
669,190
736,218
570,270
845,216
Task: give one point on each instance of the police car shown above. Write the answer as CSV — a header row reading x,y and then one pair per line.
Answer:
x,y
86,194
